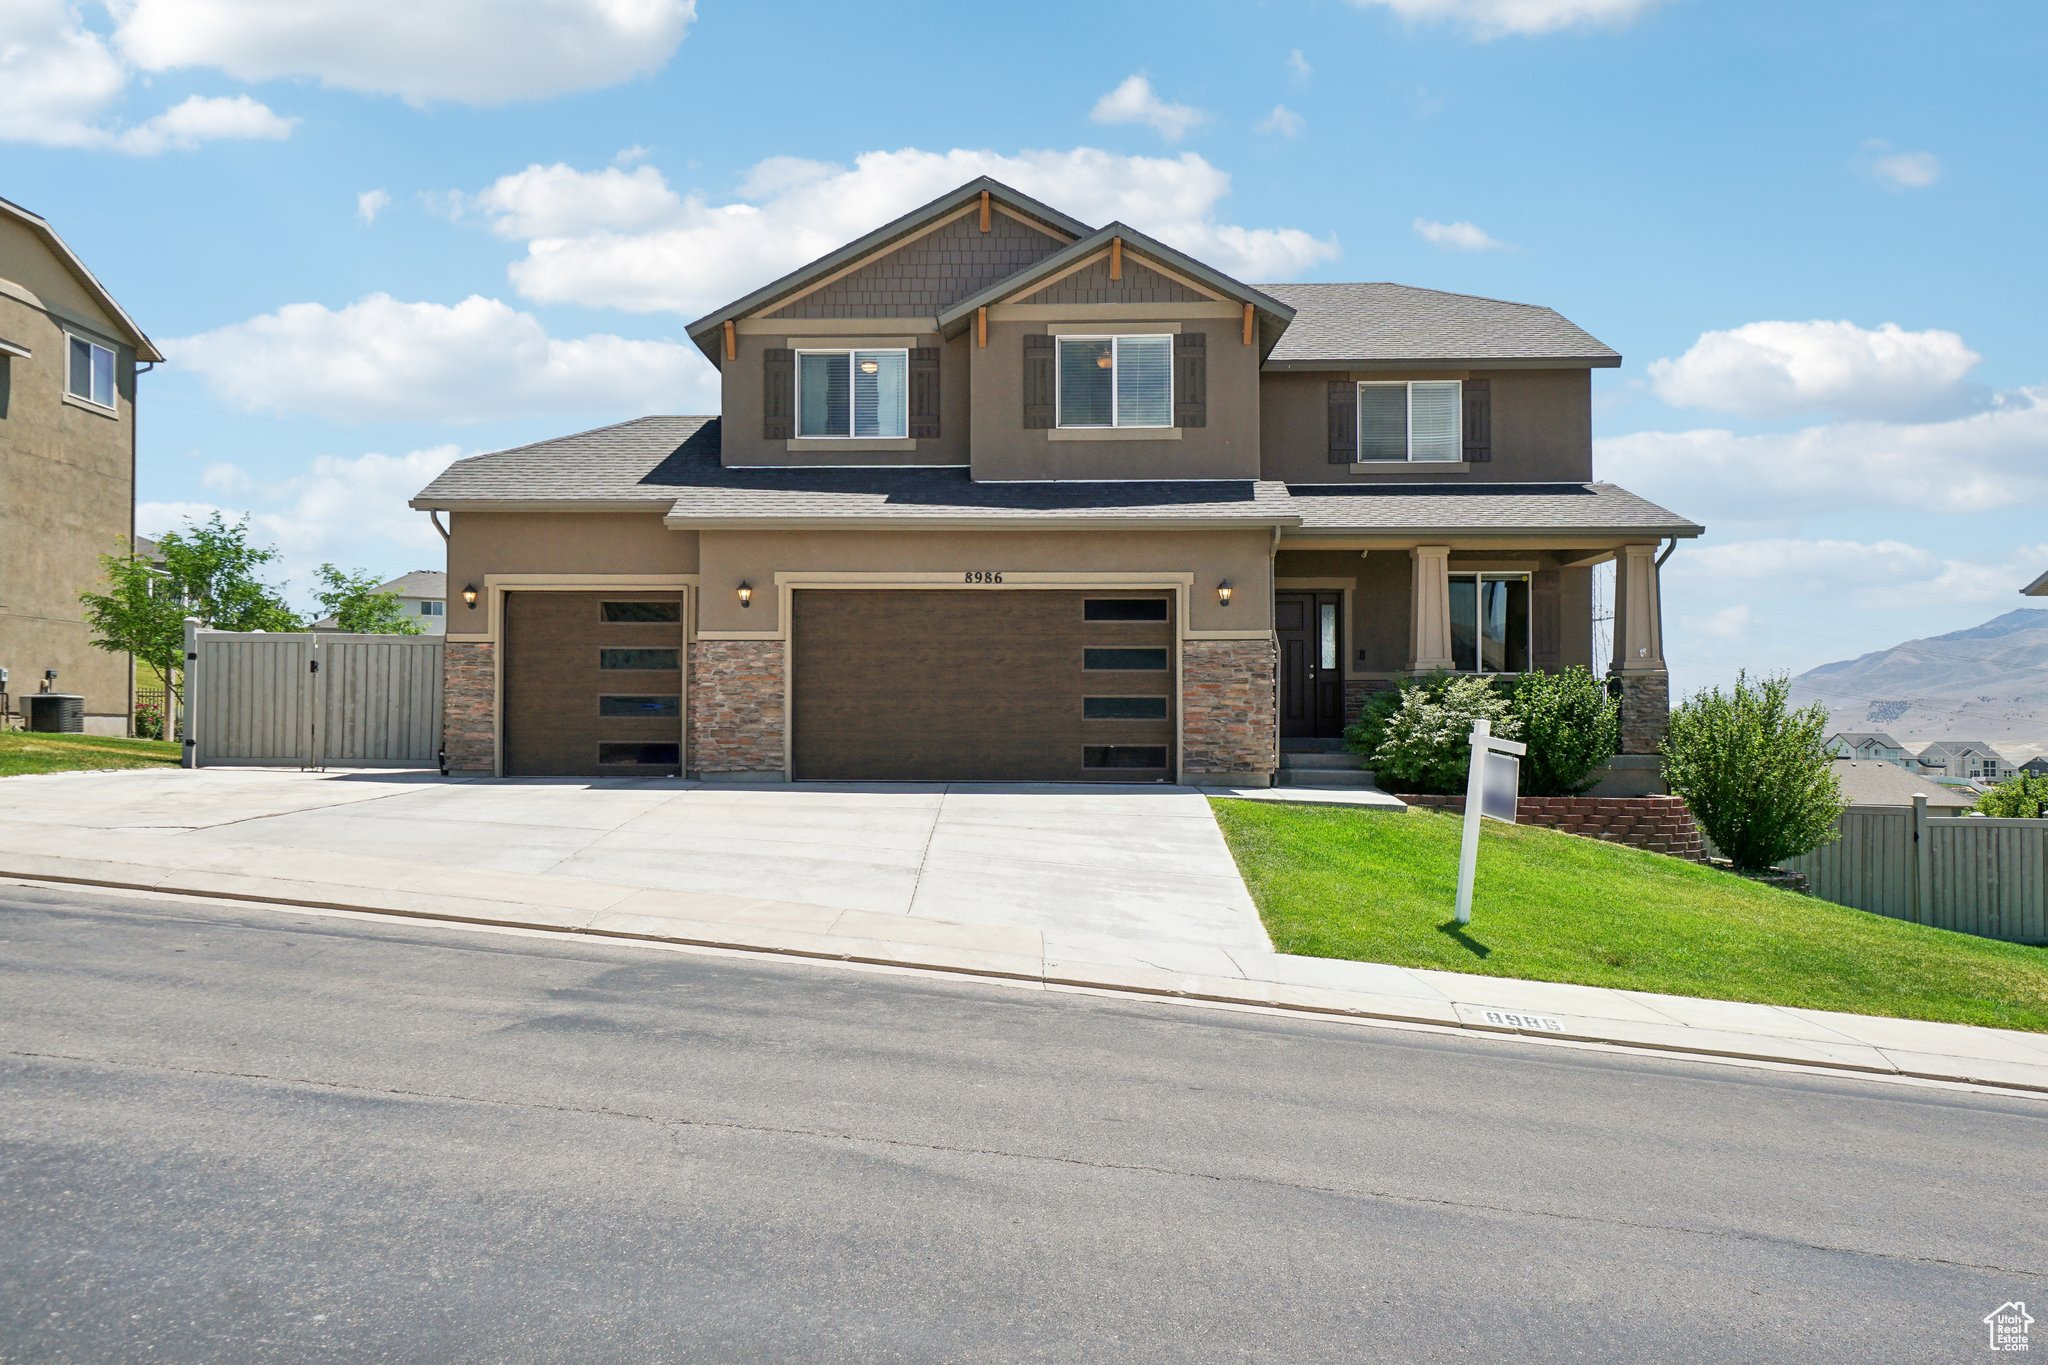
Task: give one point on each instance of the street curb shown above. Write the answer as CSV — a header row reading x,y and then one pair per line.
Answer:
x,y
909,959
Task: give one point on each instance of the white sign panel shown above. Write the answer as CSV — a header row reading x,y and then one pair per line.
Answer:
x,y
1499,784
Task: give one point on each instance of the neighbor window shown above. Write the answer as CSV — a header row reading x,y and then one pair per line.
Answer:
x,y
853,393
1421,420
91,373
433,608
1116,381
1490,622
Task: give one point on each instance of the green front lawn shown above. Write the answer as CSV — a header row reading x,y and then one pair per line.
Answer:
x,y
24,752
1378,886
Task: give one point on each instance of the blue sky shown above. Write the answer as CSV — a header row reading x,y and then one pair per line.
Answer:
x,y
1813,231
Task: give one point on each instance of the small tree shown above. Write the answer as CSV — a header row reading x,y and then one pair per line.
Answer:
x,y
2025,797
1571,725
352,599
1428,743
1755,773
207,570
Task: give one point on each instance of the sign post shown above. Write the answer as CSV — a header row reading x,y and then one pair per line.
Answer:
x,y
1491,787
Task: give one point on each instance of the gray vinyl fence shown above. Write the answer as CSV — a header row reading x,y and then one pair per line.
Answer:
x,y
312,700
1969,873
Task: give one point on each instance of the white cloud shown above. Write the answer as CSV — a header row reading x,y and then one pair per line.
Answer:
x,y
370,203
625,240
1772,368
1499,18
478,360
1283,121
1135,101
59,81
473,51
1868,574
1899,169
1299,72
1456,236
345,510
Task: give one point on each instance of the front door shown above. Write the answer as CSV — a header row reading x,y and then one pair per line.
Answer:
x,y
1311,664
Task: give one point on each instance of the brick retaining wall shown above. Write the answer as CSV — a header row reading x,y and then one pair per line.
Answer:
x,y
1658,824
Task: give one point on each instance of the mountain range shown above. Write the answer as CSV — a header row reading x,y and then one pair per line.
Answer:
x,y
1988,683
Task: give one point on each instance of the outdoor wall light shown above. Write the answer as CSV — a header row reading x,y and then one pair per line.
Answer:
x,y
469,596
746,593
1223,591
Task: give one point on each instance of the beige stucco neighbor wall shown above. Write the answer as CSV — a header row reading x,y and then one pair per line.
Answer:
x,y
1542,429
67,484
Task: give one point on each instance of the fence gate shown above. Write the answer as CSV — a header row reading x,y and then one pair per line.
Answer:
x,y
311,700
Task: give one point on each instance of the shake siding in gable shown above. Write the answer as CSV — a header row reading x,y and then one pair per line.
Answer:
x,y
1092,284
921,277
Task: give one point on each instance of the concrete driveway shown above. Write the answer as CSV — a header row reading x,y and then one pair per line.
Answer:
x,y
1136,873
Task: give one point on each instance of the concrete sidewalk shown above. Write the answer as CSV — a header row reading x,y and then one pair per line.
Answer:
x,y
152,860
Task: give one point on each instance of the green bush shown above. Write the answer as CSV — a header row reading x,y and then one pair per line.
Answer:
x,y
1571,726
1427,746
2025,797
1365,735
1755,773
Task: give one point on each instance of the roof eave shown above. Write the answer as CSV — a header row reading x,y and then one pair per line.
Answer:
x,y
427,502
1560,362
1017,522
145,349
1558,534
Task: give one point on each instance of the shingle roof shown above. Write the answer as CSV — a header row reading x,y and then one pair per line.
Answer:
x,y
1872,782
627,464
1532,507
418,583
1396,323
1859,736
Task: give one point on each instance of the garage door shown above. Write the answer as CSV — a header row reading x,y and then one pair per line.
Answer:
x,y
965,686
593,684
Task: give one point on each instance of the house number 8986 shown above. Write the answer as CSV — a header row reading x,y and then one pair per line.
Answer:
x,y
984,576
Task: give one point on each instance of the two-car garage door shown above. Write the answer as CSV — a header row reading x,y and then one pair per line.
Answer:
x,y
966,685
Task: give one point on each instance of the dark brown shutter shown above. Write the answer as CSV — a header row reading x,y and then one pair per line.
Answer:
x,y
1478,420
1546,619
1191,380
778,394
1343,421
924,393
1041,399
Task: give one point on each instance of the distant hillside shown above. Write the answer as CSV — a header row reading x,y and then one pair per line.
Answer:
x,y
1989,682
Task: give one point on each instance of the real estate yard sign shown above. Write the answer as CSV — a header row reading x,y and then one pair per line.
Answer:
x,y
1491,788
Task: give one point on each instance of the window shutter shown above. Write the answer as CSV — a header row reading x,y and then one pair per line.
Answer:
x,y
1191,380
1040,395
778,394
1546,618
1343,421
1478,420
924,393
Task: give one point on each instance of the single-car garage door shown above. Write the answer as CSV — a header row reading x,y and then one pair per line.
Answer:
x,y
593,684
981,686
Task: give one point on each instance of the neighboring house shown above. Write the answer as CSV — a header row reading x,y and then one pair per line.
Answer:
x,y
2037,588
1876,782
997,494
68,362
2035,767
1869,744
423,594
1965,760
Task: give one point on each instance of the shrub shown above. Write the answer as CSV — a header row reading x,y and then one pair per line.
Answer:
x,y
1571,726
2025,797
1755,773
1427,745
149,719
1365,735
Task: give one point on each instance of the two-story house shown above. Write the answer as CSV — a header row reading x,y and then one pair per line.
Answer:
x,y
997,494
422,596
1868,745
1966,760
69,357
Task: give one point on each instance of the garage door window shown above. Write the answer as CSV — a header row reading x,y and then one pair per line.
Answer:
x,y
1123,609
645,755
1135,756
1125,660
647,660
1123,708
643,611
650,708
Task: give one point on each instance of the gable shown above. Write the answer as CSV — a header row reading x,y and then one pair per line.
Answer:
x,y
34,273
1140,283
928,273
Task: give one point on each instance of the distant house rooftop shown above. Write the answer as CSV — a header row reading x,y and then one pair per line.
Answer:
x,y
1869,782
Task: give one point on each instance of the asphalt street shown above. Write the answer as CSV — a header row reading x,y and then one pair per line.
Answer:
x,y
236,1133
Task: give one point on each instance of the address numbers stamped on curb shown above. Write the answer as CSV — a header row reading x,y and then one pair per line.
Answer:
x,y
1542,1023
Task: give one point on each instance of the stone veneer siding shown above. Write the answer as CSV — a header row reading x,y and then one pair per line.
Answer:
x,y
736,706
469,706
1229,708
1645,711
1657,824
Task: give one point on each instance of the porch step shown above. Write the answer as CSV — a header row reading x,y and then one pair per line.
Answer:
x,y
1355,778
1332,745
1292,761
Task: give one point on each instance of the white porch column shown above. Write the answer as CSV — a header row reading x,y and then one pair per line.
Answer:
x,y
1429,634
1638,617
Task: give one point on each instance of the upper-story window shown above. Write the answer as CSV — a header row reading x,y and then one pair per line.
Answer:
x,y
1418,420
432,608
1116,381
853,393
90,374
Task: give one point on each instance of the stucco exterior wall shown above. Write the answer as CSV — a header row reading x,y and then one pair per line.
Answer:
x,y
555,543
1542,429
740,388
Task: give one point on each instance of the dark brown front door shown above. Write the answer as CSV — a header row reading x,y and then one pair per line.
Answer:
x,y
1032,685
1311,663
593,684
